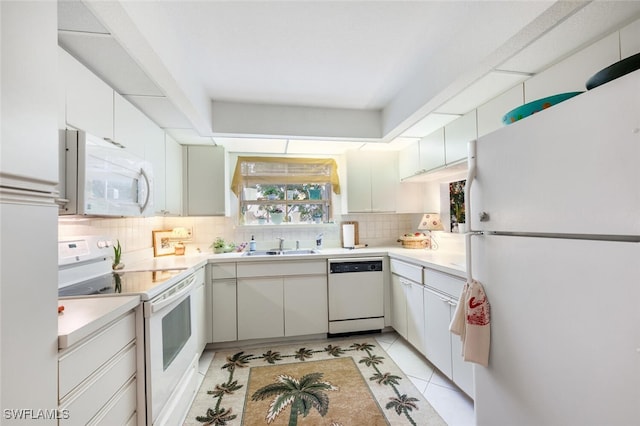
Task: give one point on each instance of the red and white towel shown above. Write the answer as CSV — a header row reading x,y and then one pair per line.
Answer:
x,y
471,321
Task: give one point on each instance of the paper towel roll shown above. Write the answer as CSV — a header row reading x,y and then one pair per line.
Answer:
x,y
348,236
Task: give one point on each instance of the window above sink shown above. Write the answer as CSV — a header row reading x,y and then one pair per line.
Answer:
x,y
283,190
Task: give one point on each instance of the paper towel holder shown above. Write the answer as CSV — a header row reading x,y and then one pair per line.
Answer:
x,y
355,232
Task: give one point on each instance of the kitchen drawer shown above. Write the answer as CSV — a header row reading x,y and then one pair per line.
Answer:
x,y
445,283
281,268
78,362
85,402
120,409
220,271
407,270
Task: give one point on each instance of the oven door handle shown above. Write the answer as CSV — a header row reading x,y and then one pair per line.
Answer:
x,y
161,304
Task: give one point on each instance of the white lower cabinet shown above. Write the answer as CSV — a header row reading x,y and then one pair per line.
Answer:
x,y
415,315
398,306
260,308
442,348
407,309
281,299
421,314
200,303
305,305
97,381
437,336
462,372
221,314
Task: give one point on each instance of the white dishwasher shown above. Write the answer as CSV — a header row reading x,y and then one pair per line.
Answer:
x,y
356,295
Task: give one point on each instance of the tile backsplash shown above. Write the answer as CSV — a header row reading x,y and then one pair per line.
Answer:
x,y
135,234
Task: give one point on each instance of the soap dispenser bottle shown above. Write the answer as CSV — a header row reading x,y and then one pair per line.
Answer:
x,y
252,244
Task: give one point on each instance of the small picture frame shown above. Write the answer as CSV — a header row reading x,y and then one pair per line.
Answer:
x,y
162,243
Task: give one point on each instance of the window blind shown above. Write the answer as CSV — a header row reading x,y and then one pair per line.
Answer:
x,y
271,170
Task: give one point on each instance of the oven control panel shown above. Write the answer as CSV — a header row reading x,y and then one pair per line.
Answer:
x,y
77,249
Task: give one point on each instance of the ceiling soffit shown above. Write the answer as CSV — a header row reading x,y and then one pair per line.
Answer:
x,y
141,30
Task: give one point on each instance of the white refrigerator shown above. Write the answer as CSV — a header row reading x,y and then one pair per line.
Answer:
x,y
554,202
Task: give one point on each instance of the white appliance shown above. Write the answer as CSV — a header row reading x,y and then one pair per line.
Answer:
x,y
555,241
102,178
169,327
356,295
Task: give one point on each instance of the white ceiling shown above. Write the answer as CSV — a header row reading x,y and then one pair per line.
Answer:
x,y
396,61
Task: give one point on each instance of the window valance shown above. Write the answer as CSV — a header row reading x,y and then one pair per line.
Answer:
x,y
270,170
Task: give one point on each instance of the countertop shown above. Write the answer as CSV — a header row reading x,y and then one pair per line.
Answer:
x,y
446,261
83,316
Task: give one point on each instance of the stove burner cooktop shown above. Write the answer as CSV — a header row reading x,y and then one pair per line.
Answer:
x,y
145,283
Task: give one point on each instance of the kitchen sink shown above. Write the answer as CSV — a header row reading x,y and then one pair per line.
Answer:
x,y
278,252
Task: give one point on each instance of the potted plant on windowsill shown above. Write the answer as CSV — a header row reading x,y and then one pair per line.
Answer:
x,y
276,214
272,192
315,192
219,245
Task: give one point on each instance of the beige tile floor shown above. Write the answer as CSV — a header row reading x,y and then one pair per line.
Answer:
x,y
451,403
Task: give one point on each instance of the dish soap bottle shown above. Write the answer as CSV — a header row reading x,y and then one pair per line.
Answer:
x,y
252,244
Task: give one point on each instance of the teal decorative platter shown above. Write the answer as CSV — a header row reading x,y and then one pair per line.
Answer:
x,y
530,108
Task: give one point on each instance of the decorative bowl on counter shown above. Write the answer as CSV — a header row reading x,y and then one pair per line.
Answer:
x,y
414,241
538,105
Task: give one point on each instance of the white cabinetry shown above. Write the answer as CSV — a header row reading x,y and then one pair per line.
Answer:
x,y
432,150
457,135
372,181
273,299
407,302
97,376
204,184
173,178
260,308
221,306
137,132
200,303
398,306
89,100
305,305
443,349
409,160
437,313
165,156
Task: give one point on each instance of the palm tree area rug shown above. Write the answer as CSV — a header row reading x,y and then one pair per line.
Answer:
x,y
341,383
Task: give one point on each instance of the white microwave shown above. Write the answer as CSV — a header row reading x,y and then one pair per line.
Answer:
x,y
102,178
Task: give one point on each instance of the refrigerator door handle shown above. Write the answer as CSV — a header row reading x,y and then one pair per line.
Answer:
x,y
471,174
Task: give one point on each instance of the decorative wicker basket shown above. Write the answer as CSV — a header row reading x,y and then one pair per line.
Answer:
x,y
419,242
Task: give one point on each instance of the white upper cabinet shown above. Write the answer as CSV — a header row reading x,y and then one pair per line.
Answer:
x,y
372,181
29,93
204,185
490,114
135,130
173,176
571,74
409,160
89,100
457,135
432,150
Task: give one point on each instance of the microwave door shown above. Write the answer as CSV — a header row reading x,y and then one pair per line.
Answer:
x,y
115,186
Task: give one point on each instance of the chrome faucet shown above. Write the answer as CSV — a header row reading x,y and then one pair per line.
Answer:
x,y
319,241
281,246
297,244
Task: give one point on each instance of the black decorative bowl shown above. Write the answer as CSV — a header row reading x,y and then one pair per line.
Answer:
x,y
614,71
